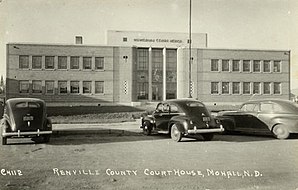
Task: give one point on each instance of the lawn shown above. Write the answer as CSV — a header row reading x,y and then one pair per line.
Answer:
x,y
106,114
94,114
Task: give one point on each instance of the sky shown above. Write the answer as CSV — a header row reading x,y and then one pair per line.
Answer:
x,y
236,24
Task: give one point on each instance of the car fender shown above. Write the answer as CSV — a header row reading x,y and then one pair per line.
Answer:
x,y
6,123
290,123
148,118
181,121
228,122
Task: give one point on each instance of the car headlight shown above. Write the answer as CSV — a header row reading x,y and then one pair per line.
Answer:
x,y
191,122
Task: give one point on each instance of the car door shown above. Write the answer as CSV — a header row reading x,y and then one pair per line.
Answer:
x,y
162,116
267,111
244,117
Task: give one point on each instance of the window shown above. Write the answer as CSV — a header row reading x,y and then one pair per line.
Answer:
x,y
246,65
62,85
74,62
24,86
214,64
79,40
266,107
236,88
125,39
142,90
36,86
62,62
267,87
276,66
277,88
256,66
74,87
214,87
246,87
143,59
87,87
99,87
256,88
266,66
36,62
87,62
225,88
235,65
24,62
174,109
49,64
248,107
49,87
225,66
99,63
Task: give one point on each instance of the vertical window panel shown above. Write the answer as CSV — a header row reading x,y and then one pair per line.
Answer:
x,y
36,62
99,87
62,62
24,62
36,86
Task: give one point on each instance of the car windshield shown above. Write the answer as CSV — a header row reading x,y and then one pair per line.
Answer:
x,y
196,107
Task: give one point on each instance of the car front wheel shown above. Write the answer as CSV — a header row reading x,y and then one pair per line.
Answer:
x,y
280,132
175,133
147,128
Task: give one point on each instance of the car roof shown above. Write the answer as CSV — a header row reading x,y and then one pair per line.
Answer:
x,y
269,100
181,101
16,100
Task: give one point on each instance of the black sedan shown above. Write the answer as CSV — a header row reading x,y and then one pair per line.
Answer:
x,y
271,116
181,118
25,117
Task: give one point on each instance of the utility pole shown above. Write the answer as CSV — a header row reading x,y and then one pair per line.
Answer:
x,y
190,61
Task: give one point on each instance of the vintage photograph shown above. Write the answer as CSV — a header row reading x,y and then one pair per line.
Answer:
x,y
156,94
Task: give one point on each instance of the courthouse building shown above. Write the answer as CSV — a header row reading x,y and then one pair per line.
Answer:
x,y
136,67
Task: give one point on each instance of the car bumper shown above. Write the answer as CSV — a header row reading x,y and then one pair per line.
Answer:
x,y
26,133
198,131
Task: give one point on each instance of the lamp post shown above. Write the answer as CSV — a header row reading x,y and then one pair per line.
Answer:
x,y
190,61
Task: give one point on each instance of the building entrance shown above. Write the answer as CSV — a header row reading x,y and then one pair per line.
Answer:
x,y
156,74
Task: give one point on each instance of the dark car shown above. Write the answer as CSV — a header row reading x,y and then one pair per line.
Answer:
x,y
181,118
25,117
271,116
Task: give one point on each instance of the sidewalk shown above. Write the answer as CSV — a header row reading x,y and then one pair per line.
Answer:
x,y
97,128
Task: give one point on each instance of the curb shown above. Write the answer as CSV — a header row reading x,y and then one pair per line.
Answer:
x,y
96,132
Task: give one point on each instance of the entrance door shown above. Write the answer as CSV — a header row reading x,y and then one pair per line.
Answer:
x,y
157,92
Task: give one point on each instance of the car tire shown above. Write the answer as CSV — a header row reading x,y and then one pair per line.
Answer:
x,y
3,139
208,136
280,132
147,128
175,133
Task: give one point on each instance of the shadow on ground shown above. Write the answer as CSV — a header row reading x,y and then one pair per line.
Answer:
x,y
118,136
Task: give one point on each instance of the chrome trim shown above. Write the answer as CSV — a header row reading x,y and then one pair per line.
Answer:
x,y
19,133
198,131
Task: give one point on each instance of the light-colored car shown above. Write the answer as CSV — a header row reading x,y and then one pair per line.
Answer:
x,y
271,116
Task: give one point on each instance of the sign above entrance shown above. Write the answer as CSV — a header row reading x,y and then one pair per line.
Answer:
x,y
155,39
